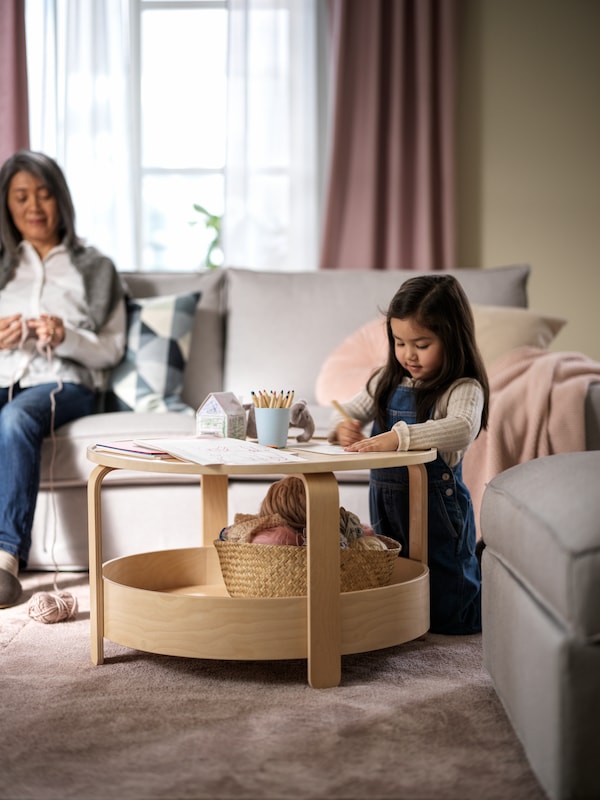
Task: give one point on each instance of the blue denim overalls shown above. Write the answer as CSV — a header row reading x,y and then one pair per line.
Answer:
x,y
455,578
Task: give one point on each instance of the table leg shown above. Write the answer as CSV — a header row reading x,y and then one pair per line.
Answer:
x,y
323,580
214,506
417,512
95,557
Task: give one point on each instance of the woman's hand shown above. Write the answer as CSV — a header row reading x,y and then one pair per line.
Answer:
x,y
382,443
10,332
348,432
47,329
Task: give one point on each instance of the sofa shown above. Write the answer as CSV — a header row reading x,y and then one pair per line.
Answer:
x,y
241,330
541,613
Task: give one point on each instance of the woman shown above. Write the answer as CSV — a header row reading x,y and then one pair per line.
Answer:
x,y
62,322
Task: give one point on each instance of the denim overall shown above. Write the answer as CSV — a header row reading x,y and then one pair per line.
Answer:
x,y
455,578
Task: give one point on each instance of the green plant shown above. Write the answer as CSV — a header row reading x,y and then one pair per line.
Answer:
x,y
214,254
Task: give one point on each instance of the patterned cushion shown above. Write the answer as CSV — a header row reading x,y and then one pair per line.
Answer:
x,y
150,376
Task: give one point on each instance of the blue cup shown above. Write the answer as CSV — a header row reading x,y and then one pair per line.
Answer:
x,y
272,426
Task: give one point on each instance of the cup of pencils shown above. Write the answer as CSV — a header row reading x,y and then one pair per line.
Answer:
x,y
272,413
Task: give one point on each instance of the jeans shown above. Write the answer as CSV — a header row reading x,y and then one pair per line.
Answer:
x,y
24,423
454,575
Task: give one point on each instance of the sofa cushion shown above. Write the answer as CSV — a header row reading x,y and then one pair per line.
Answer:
x,y
204,370
498,329
347,369
281,326
64,458
150,377
540,519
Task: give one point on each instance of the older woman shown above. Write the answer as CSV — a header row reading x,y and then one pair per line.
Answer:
x,y
62,322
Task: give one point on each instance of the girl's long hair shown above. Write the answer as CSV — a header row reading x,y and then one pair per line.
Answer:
x,y
436,302
45,168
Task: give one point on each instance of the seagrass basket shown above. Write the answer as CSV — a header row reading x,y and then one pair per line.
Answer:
x,y
275,570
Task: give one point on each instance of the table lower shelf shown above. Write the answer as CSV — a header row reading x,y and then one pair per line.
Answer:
x,y
174,602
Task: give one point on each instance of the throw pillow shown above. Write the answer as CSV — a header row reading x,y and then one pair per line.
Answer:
x,y
347,369
150,376
502,328
498,329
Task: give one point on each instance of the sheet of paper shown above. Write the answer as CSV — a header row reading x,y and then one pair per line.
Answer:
x,y
216,450
130,448
324,448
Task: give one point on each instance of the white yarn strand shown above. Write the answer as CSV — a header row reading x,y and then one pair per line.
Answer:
x,y
57,606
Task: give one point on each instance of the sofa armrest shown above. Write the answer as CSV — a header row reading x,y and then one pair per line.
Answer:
x,y
592,417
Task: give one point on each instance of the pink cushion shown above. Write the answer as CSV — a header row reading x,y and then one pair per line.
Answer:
x,y
348,368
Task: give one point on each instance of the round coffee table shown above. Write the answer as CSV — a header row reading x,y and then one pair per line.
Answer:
x,y
174,602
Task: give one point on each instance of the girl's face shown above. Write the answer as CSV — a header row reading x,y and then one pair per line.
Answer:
x,y
418,350
34,211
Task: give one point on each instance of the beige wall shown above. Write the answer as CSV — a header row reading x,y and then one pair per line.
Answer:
x,y
529,152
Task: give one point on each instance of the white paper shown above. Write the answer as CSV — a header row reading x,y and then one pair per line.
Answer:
x,y
216,450
325,449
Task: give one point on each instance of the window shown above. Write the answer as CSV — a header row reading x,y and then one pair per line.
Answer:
x,y
183,93
153,107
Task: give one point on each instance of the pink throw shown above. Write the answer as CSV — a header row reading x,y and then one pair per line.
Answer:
x,y
537,403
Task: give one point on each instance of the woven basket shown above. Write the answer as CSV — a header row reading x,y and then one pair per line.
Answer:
x,y
275,570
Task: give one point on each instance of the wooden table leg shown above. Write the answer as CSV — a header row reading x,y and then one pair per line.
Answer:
x,y
323,580
214,506
417,512
95,557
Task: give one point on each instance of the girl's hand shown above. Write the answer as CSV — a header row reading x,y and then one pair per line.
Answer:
x,y
10,332
348,432
382,443
48,329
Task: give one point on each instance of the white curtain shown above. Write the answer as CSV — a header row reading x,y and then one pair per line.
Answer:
x,y
80,113
271,203
83,113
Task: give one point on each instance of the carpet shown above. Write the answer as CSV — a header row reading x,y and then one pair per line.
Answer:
x,y
419,721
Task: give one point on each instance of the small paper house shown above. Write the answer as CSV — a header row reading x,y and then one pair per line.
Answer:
x,y
221,414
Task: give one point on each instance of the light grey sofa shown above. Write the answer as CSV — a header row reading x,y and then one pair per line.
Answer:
x,y
541,613
251,330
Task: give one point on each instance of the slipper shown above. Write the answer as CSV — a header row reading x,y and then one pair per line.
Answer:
x,y
10,589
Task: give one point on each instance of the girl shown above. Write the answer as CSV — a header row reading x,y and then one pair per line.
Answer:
x,y
432,392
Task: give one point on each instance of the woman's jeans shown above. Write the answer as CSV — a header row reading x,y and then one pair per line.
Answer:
x,y
24,423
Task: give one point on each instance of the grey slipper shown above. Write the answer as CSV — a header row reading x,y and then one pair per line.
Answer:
x,y
10,589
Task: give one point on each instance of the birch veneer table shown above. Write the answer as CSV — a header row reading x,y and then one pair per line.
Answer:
x,y
174,602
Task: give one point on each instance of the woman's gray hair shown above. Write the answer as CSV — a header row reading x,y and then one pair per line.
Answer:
x,y
47,170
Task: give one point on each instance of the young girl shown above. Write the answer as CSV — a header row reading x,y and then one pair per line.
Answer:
x,y
432,392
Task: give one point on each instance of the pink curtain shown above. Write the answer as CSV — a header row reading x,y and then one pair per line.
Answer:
x,y
390,191
14,116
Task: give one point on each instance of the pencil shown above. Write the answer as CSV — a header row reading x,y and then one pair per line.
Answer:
x,y
341,411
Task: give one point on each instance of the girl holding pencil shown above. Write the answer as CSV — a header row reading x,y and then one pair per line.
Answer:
x,y
432,392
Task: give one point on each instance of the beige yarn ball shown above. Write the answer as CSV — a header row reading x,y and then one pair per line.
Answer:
x,y
368,543
49,608
287,498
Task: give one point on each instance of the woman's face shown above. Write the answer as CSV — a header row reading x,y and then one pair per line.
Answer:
x,y
34,211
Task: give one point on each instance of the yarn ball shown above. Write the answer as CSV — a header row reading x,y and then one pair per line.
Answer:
x,y
51,607
287,498
368,543
280,535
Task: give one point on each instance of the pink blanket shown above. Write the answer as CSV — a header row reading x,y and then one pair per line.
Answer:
x,y
537,402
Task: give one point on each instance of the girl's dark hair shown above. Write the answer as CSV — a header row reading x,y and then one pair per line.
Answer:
x,y
438,303
47,170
